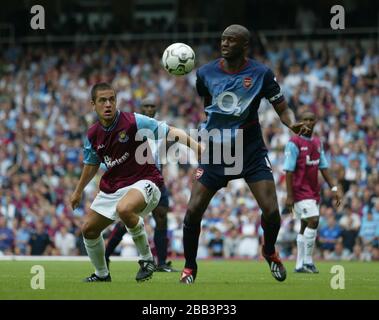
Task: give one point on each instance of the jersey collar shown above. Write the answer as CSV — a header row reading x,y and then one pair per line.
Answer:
x,y
305,138
221,65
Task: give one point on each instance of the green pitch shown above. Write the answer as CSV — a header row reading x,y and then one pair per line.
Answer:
x,y
216,280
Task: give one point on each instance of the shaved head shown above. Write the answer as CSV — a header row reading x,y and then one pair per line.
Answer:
x,y
238,30
308,114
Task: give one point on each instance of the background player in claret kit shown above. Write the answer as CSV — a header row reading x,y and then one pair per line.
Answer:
x,y
149,109
128,190
232,88
304,156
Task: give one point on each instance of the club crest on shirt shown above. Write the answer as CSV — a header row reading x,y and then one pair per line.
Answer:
x,y
199,173
123,137
247,82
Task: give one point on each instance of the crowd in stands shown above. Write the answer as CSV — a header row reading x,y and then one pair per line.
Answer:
x,y
45,112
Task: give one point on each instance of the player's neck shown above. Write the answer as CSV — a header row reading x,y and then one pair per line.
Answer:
x,y
108,123
307,137
233,65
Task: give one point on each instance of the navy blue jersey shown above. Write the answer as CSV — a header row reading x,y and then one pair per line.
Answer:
x,y
235,97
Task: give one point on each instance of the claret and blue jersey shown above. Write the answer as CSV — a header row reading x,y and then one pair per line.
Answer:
x,y
117,145
304,157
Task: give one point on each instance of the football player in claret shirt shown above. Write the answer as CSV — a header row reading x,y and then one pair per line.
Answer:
x,y
304,157
130,188
232,88
149,109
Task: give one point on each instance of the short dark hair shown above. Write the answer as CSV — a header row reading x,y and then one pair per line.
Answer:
x,y
100,86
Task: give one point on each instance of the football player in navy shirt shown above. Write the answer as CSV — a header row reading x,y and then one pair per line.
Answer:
x,y
232,88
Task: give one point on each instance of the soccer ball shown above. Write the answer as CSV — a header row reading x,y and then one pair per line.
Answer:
x,y
178,59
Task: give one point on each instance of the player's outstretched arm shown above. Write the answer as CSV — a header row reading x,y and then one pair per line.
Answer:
x,y
329,180
89,171
287,117
182,137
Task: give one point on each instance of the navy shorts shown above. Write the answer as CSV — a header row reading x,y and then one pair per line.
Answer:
x,y
163,202
256,167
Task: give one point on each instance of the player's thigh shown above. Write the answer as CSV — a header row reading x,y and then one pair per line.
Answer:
x,y
94,223
200,198
132,202
141,198
264,192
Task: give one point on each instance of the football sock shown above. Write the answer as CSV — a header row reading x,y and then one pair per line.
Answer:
x,y
191,233
270,232
300,251
139,236
309,241
114,239
160,241
95,249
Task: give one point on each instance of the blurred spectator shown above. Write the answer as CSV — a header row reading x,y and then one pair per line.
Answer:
x,y
216,245
22,238
329,235
39,243
369,229
337,254
65,242
249,245
287,238
231,243
6,237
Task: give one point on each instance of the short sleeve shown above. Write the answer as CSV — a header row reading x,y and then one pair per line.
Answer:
x,y
159,129
291,153
271,89
89,154
323,162
202,90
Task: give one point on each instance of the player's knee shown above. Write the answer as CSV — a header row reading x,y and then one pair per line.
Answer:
x,y
89,231
271,215
195,210
313,223
269,208
161,221
124,210
192,218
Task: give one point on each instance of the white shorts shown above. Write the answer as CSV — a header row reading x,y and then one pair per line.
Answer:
x,y
305,209
106,203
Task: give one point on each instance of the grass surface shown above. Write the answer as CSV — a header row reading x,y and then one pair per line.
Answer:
x,y
223,280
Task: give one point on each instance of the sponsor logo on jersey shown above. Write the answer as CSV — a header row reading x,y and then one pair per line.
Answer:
x,y
110,163
102,146
247,82
199,173
123,137
304,148
310,162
